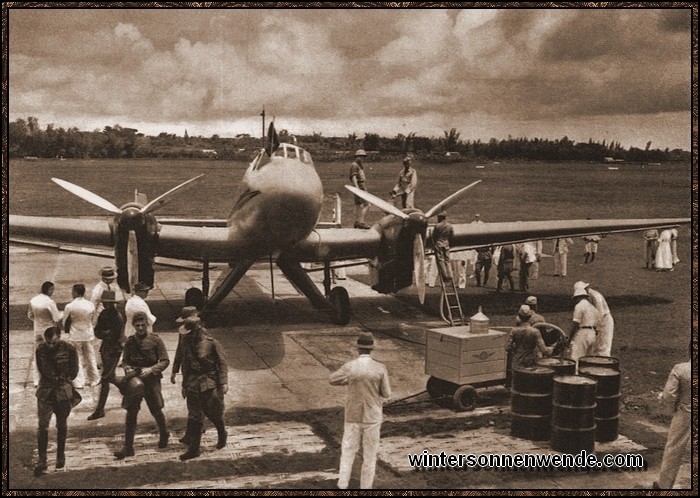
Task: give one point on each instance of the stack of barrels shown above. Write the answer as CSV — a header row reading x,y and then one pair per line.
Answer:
x,y
606,371
550,402
531,403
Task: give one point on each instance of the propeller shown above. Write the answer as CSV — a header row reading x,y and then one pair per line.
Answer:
x,y
132,211
88,196
419,223
419,266
385,206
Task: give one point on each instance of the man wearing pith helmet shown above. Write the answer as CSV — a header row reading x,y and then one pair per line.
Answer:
x,y
357,177
368,387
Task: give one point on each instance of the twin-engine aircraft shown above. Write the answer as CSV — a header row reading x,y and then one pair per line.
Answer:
x,y
275,215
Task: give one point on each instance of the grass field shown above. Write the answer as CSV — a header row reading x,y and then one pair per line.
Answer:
x,y
654,312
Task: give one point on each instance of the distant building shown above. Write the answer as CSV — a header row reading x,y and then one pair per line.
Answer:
x,y
452,154
608,160
209,152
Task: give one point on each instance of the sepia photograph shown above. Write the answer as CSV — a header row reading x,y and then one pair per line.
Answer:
x,y
394,246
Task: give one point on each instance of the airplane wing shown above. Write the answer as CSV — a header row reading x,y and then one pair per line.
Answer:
x,y
347,243
185,242
473,235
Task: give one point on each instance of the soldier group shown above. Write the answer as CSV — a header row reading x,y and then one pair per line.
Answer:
x,y
61,366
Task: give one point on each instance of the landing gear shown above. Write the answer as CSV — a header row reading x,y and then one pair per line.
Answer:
x,y
340,305
195,297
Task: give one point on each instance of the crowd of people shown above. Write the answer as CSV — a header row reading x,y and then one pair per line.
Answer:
x,y
62,367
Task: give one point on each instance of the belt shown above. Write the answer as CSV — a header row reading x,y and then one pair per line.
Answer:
x,y
588,327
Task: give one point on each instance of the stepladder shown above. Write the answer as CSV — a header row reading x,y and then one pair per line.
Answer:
x,y
450,307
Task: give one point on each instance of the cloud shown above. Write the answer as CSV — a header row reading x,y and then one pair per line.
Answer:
x,y
417,67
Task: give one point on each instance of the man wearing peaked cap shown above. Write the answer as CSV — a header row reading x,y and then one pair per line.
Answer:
x,y
186,312
135,304
368,387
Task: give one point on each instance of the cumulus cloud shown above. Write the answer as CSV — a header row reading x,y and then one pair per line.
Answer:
x,y
427,69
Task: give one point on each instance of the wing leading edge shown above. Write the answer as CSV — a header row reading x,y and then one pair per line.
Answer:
x,y
473,235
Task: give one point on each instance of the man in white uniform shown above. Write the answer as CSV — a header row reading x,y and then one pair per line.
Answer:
x,y
583,327
135,304
44,313
368,387
561,253
606,326
79,313
107,276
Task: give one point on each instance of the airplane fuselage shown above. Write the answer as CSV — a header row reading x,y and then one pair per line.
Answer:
x,y
278,203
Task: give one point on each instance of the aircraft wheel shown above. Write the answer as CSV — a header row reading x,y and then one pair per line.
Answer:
x,y
464,398
195,297
340,302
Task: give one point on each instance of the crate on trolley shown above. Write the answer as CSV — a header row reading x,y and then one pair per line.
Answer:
x,y
460,361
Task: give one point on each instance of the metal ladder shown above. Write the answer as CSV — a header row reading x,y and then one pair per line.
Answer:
x,y
449,294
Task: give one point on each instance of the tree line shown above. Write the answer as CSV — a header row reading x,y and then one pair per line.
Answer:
x,y
27,139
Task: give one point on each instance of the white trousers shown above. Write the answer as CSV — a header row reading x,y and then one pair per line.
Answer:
x,y
583,344
677,449
88,364
603,342
560,261
353,434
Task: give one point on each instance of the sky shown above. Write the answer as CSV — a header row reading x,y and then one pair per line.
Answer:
x,y
602,74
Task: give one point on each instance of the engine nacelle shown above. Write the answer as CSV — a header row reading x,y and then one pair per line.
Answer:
x,y
395,269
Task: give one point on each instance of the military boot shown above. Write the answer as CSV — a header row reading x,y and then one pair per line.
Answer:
x,y
162,429
129,433
61,447
43,444
196,437
222,434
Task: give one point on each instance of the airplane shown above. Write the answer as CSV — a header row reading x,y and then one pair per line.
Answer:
x,y
275,215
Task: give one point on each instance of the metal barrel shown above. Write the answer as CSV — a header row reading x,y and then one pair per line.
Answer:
x,y
599,361
531,403
573,414
561,366
607,416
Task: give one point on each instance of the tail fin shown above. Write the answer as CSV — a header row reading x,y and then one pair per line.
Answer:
x,y
273,141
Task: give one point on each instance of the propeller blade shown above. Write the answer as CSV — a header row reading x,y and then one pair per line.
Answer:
x,y
376,201
162,200
419,266
88,196
449,201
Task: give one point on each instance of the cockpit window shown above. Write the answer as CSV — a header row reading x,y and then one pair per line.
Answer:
x,y
284,150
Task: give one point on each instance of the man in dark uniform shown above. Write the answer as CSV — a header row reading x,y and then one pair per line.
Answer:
x,y
145,358
109,328
187,311
204,383
484,255
441,241
57,362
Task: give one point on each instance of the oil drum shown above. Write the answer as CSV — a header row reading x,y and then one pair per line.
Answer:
x,y
599,361
561,366
531,403
607,416
573,414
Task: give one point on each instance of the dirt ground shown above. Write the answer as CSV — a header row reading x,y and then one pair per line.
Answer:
x,y
655,316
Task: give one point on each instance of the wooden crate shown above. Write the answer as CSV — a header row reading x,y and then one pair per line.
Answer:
x,y
456,355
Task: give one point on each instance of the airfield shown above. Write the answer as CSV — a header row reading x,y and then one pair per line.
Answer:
x,y
283,418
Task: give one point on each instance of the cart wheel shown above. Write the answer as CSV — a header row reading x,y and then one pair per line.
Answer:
x,y
464,398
